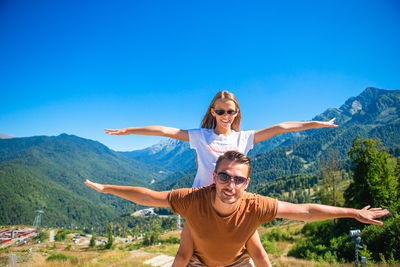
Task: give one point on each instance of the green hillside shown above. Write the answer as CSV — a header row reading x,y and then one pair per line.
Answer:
x,y
48,173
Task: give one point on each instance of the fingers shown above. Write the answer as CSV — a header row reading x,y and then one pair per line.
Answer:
x,y
369,215
381,213
90,184
113,131
376,209
376,222
332,123
329,123
366,207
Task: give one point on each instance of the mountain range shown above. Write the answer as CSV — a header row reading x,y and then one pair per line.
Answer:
x,y
43,172
375,113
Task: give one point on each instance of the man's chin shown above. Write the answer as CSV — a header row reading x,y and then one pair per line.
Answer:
x,y
230,200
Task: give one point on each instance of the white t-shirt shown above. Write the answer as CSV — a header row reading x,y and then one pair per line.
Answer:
x,y
209,146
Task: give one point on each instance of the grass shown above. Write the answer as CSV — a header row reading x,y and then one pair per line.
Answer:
x,y
168,249
121,256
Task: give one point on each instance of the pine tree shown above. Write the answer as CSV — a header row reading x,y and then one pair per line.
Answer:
x,y
110,237
397,177
373,181
92,243
330,172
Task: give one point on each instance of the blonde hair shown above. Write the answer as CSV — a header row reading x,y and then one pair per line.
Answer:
x,y
209,121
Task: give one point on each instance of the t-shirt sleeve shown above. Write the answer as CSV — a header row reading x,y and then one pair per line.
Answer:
x,y
247,140
194,137
267,208
180,200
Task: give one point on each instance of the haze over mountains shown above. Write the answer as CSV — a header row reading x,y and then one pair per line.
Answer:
x,y
5,136
48,172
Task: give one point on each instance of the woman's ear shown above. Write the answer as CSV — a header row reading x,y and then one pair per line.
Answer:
x,y
213,112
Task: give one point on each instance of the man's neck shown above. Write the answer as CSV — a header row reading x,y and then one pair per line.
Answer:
x,y
223,209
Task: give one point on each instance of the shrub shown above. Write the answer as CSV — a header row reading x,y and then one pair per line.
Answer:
x,y
276,235
61,256
92,242
384,241
269,247
43,236
170,240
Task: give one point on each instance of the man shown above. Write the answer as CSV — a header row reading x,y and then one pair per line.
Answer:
x,y
222,216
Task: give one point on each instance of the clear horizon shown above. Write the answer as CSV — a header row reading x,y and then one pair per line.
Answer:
x,y
79,67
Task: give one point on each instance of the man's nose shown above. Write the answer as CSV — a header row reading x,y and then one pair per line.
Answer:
x,y
231,183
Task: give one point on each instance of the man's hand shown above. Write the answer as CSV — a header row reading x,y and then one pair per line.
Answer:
x,y
317,212
116,131
367,215
139,195
96,186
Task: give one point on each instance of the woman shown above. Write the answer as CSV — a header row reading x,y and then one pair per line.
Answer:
x,y
219,132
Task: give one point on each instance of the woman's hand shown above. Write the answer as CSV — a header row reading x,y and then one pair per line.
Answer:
x,y
96,186
116,131
323,124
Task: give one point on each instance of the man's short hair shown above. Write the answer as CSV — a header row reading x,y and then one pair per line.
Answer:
x,y
234,156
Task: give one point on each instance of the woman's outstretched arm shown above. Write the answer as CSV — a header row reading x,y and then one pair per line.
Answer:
x,y
286,127
174,133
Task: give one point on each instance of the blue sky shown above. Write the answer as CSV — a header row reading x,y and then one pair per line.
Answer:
x,y
78,67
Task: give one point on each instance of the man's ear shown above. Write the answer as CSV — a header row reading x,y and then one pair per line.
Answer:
x,y
248,181
214,173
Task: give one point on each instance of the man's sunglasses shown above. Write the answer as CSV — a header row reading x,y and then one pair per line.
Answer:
x,y
221,112
223,178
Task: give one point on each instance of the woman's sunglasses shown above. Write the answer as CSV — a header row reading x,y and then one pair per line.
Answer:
x,y
221,112
223,178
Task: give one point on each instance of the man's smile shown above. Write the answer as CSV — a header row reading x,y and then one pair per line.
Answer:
x,y
228,194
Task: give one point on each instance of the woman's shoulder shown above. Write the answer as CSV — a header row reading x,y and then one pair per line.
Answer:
x,y
246,133
201,129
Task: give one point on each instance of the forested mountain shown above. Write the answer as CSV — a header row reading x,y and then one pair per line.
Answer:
x,y
48,173
170,154
375,113
372,107
304,156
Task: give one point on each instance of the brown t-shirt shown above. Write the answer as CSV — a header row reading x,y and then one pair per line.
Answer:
x,y
220,240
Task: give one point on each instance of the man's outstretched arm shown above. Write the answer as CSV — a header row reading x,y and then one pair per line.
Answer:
x,y
139,195
317,212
